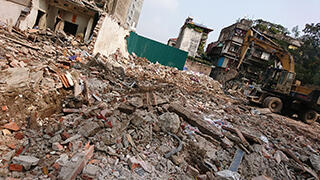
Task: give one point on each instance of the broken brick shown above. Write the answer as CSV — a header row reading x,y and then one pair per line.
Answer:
x,y
12,126
4,108
65,136
15,167
56,166
57,146
11,146
19,135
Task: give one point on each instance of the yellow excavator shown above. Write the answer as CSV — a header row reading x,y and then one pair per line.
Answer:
x,y
279,90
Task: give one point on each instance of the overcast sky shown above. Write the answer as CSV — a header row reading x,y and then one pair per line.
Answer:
x,y
162,19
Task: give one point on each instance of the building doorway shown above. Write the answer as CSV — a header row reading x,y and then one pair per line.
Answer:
x,y
40,21
70,28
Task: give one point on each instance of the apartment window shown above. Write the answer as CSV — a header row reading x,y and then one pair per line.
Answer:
x,y
234,48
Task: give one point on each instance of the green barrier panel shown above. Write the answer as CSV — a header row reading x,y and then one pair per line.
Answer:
x,y
155,51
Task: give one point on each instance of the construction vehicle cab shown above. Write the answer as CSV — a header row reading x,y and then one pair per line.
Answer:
x,y
278,80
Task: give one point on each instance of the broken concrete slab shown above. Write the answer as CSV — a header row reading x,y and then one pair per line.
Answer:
x,y
194,120
25,161
71,170
75,137
89,129
91,170
227,175
315,162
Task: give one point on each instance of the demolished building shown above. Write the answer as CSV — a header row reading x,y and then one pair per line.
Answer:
x,y
225,53
102,24
192,37
70,115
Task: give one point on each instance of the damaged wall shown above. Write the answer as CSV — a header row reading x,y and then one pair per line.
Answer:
x,y
111,37
30,20
189,41
10,11
197,67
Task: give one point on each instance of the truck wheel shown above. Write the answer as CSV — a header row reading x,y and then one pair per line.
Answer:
x,y
266,102
274,104
310,116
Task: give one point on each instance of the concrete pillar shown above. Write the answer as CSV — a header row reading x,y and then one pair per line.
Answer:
x,y
89,28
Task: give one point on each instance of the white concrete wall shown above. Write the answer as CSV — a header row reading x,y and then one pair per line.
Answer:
x,y
188,36
10,12
111,37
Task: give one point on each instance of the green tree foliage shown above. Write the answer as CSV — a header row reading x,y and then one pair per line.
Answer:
x,y
265,26
307,57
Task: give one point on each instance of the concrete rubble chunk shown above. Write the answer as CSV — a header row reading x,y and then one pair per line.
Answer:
x,y
194,120
72,138
91,170
126,108
74,167
227,175
315,162
193,172
169,122
261,178
133,162
25,161
18,77
89,129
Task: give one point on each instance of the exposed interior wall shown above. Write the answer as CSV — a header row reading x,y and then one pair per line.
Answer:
x,y
197,67
80,20
10,12
30,20
110,38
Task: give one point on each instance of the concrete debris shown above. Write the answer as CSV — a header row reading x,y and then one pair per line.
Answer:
x,y
118,117
315,162
91,170
227,175
169,122
26,161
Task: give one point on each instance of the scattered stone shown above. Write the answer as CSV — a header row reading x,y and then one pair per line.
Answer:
x,y
169,122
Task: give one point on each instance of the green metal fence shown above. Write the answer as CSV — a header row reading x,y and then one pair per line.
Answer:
x,y
155,51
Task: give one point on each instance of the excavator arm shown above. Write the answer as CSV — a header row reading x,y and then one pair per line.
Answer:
x,y
285,58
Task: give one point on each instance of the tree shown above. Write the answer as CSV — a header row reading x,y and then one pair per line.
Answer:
x,y
307,57
295,31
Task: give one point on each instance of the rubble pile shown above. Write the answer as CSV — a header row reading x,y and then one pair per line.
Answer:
x,y
66,114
